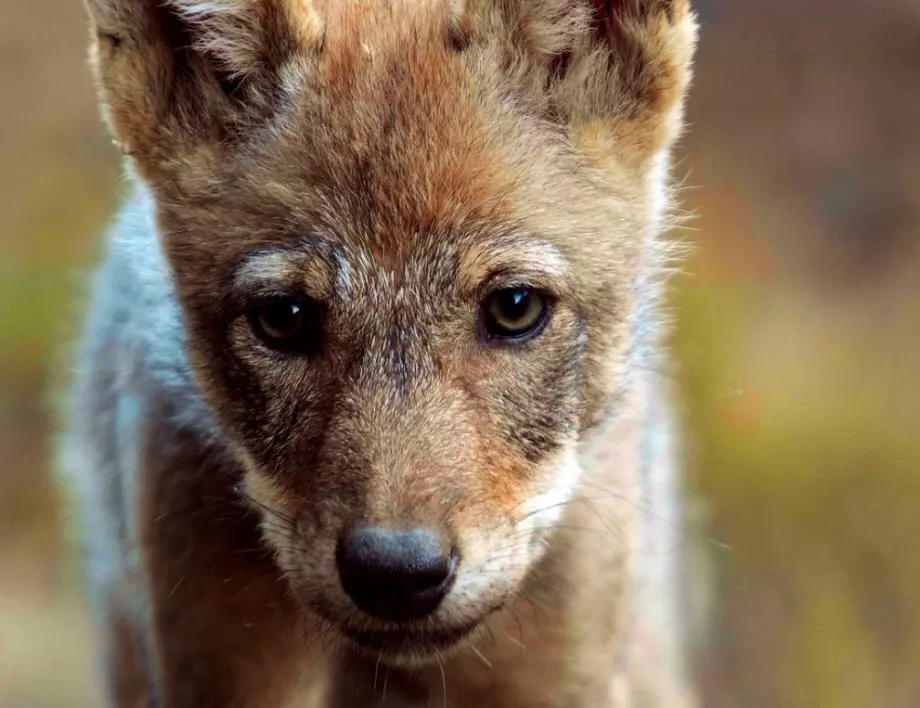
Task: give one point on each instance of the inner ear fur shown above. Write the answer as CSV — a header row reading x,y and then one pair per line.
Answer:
x,y
638,80
615,71
177,76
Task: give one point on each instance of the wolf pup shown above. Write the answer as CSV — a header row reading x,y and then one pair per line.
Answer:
x,y
363,414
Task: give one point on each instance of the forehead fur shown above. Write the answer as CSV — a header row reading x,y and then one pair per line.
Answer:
x,y
436,102
396,124
378,123
391,136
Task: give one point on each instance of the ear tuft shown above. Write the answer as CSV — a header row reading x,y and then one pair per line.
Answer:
x,y
177,76
227,32
632,75
460,24
616,70
245,38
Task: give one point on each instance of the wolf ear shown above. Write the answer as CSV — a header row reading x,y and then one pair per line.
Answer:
x,y
615,71
628,85
177,76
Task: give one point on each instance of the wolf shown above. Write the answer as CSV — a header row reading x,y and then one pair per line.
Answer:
x,y
365,411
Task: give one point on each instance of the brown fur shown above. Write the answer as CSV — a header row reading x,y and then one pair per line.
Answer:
x,y
392,160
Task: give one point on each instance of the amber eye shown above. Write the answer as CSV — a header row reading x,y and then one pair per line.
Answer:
x,y
515,313
288,323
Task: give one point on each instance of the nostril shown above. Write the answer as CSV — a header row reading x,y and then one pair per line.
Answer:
x,y
395,575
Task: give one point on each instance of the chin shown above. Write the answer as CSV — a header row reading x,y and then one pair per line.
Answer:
x,y
412,644
410,648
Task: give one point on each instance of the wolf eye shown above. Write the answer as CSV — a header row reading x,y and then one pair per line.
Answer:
x,y
288,323
515,313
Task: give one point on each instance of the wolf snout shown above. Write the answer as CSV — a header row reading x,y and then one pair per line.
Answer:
x,y
395,575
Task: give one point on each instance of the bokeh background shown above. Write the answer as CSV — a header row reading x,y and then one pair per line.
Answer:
x,y
796,353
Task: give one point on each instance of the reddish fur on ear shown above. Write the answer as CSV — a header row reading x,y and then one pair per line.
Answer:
x,y
615,71
650,45
177,75
247,38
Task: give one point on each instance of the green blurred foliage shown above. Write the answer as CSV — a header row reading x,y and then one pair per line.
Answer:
x,y
808,459
796,351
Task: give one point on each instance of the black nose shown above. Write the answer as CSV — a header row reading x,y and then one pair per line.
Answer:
x,y
394,575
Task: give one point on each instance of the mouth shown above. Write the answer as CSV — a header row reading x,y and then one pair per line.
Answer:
x,y
409,646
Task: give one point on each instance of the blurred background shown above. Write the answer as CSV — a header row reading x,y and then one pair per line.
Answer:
x,y
796,353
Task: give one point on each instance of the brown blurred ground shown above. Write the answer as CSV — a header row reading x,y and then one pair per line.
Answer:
x,y
796,350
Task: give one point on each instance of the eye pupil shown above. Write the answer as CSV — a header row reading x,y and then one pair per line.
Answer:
x,y
288,323
514,303
515,313
280,320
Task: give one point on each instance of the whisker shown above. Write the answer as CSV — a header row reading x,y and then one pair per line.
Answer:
x,y
443,677
479,654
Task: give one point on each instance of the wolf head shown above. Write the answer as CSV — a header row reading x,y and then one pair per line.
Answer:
x,y
405,236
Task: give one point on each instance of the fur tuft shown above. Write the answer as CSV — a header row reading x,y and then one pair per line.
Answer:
x,y
244,38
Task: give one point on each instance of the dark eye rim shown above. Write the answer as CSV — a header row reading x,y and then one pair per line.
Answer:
x,y
306,341
491,338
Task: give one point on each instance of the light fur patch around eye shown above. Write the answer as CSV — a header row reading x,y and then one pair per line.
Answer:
x,y
286,269
266,267
528,258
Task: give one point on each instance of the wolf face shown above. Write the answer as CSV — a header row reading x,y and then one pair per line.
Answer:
x,y
405,238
